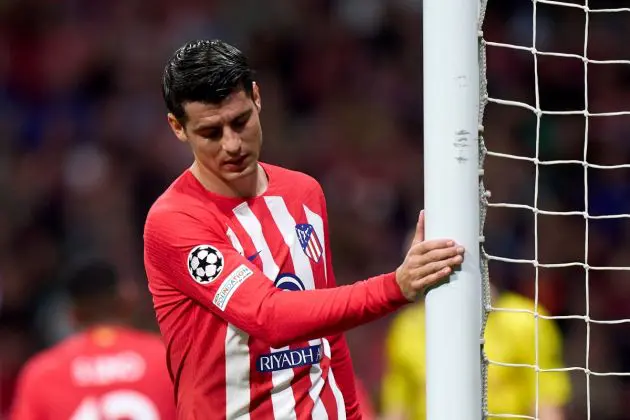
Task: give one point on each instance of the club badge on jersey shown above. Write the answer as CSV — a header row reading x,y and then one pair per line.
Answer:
x,y
309,241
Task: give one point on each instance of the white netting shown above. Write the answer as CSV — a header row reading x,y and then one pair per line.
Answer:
x,y
550,154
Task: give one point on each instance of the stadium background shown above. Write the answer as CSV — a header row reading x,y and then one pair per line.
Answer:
x,y
85,149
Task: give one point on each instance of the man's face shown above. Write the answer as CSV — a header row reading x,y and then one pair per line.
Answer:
x,y
225,138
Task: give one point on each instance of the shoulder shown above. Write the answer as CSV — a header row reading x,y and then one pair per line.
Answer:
x,y
178,213
292,180
168,217
44,364
180,199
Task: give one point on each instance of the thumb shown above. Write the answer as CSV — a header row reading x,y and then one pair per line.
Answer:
x,y
419,236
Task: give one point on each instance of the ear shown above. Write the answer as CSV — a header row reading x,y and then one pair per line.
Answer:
x,y
177,127
256,96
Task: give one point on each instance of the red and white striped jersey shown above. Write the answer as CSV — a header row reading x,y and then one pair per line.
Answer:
x,y
238,346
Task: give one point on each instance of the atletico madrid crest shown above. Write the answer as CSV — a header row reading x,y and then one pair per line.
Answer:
x,y
309,241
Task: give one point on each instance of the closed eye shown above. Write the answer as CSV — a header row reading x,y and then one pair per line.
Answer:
x,y
213,134
241,121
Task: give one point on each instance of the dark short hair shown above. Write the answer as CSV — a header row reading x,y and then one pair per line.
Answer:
x,y
93,280
204,71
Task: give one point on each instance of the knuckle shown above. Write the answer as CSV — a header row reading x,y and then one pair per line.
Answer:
x,y
421,261
416,249
433,267
422,247
433,278
442,253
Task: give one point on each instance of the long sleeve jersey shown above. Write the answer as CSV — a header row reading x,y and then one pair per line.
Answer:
x,y
239,346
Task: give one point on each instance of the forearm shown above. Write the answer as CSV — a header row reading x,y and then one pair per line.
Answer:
x,y
281,318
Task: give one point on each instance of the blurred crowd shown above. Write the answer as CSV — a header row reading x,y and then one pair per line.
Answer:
x,y
86,149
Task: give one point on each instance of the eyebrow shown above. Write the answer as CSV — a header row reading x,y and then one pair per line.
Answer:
x,y
211,126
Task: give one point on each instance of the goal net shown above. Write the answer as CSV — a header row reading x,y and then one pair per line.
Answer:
x,y
555,150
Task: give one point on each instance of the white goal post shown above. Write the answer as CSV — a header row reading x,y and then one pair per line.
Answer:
x,y
454,310
455,95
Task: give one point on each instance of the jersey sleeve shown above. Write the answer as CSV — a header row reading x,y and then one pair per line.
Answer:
x,y
397,389
187,255
555,387
27,401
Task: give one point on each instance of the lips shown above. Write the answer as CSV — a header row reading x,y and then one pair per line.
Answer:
x,y
235,164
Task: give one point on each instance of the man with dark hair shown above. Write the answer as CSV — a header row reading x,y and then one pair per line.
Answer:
x,y
107,370
230,236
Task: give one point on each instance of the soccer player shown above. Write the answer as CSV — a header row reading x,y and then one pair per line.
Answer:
x,y
106,371
510,338
230,237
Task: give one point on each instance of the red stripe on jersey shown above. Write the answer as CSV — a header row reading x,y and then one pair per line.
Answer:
x,y
329,400
249,249
261,406
217,346
213,380
319,276
301,385
301,382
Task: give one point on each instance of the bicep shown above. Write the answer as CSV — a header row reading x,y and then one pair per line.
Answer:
x,y
205,268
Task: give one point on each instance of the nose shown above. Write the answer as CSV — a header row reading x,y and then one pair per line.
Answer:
x,y
231,142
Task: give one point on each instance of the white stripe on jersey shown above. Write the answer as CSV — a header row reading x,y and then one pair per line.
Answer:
x,y
317,385
235,242
302,266
318,224
237,391
341,405
281,393
286,226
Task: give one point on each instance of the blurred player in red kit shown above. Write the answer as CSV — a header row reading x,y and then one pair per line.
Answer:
x,y
105,372
230,236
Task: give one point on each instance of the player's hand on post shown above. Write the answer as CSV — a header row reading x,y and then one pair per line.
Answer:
x,y
427,262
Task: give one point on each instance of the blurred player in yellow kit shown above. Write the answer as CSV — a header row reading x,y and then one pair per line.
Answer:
x,y
510,338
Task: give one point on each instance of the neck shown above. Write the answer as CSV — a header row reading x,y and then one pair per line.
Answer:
x,y
249,185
